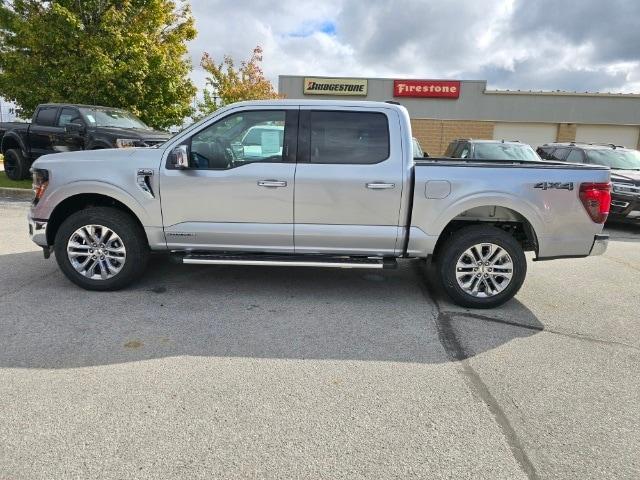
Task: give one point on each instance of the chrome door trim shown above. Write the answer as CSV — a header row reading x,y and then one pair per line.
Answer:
x,y
272,183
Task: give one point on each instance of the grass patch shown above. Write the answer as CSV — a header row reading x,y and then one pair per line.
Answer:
x,y
5,182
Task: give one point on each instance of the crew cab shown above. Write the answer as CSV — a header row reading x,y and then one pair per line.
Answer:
x,y
328,184
68,127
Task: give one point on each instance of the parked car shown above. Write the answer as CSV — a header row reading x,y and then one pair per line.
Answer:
x,y
344,191
66,127
625,171
490,150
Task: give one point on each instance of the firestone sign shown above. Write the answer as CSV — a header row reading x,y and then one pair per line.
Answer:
x,y
335,86
426,88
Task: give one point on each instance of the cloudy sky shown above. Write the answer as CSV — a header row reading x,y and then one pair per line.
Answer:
x,y
576,45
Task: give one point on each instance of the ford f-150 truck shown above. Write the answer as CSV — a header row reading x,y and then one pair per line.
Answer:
x,y
68,127
317,184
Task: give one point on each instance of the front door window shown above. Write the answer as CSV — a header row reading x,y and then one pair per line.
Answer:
x,y
240,139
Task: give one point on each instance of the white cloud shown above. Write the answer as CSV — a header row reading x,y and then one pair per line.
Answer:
x,y
541,44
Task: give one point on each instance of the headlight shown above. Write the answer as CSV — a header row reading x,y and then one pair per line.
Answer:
x,y
625,188
126,142
40,183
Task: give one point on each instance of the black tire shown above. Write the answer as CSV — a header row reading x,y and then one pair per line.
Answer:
x,y
16,167
466,238
122,224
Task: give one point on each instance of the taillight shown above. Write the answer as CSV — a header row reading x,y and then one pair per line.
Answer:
x,y
596,198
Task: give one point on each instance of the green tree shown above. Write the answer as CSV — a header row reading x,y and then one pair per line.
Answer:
x,y
227,84
120,53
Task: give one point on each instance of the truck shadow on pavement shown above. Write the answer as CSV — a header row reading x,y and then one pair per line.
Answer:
x,y
623,231
249,312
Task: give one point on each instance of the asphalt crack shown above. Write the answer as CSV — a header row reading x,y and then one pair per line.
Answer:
x,y
456,352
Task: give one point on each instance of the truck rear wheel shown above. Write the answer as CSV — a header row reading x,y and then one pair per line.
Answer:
x,y
101,248
16,166
481,267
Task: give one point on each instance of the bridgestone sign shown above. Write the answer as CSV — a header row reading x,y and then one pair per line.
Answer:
x,y
335,86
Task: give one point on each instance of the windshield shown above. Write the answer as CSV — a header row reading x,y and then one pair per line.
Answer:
x,y
504,151
112,117
417,149
616,159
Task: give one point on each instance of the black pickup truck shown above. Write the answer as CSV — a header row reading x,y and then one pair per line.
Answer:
x,y
66,127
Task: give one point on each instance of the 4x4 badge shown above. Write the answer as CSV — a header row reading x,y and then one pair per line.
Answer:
x,y
554,185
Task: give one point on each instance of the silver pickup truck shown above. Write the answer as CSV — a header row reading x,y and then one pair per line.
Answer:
x,y
314,184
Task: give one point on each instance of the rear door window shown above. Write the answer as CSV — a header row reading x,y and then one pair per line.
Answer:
x,y
46,116
349,137
575,156
559,154
545,152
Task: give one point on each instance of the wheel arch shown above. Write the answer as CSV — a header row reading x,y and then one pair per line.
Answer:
x,y
80,201
507,218
12,141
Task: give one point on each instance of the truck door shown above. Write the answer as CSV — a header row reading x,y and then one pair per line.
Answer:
x,y
349,181
237,194
43,131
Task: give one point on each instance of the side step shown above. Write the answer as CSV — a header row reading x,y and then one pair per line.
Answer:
x,y
289,261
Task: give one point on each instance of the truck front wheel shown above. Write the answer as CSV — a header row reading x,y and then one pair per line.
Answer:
x,y
481,267
101,248
16,166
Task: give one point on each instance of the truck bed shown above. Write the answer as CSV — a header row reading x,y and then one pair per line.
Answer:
x,y
541,194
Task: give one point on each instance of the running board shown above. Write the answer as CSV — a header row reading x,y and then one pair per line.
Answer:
x,y
290,261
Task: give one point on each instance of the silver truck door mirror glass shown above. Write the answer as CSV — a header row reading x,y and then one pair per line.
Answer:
x,y
181,157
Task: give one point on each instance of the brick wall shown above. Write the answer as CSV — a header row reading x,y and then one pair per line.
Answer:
x,y
566,132
435,135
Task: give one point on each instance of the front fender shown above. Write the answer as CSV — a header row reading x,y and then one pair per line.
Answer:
x,y
53,198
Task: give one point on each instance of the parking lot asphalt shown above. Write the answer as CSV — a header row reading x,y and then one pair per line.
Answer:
x,y
229,372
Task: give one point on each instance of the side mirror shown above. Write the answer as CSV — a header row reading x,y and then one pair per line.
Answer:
x,y
180,157
74,127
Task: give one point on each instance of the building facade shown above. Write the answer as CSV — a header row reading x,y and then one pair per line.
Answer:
x,y
443,110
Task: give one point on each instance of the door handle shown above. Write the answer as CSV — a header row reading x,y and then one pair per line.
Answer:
x,y
380,185
272,183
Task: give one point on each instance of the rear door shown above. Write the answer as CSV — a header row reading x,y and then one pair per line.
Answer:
x,y
348,181
44,131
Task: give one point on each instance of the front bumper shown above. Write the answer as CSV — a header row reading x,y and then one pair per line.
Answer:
x,y
624,207
600,244
38,231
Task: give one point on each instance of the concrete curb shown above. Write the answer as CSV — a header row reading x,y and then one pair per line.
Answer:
x,y
24,194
